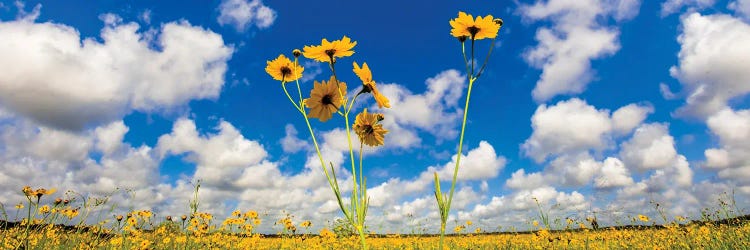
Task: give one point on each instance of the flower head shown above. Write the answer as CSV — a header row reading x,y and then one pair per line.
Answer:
x,y
368,85
251,214
329,51
368,129
306,224
643,218
326,98
28,191
282,69
44,209
42,191
479,28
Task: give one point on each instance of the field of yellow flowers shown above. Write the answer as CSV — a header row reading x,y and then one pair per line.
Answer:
x,y
136,232
61,224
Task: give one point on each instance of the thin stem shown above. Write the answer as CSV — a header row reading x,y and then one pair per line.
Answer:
x,y
362,238
351,104
460,144
355,187
363,207
283,85
487,58
296,63
332,182
361,180
315,143
28,224
463,51
355,190
472,57
442,234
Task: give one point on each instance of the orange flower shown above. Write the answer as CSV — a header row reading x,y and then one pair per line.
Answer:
x,y
368,129
368,85
326,98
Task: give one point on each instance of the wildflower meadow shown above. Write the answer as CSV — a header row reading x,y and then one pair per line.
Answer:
x,y
585,178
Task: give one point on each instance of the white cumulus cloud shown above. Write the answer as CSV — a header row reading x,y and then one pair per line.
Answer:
x,y
579,34
713,67
574,125
54,76
242,14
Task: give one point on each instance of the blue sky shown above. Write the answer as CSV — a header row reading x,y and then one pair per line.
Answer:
x,y
592,107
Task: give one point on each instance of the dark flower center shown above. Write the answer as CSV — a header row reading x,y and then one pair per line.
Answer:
x,y
368,129
330,52
366,88
327,99
473,30
285,71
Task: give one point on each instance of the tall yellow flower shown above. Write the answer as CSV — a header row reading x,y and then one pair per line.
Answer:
x,y
327,51
368,85
466,26
282,69
368,129
325,99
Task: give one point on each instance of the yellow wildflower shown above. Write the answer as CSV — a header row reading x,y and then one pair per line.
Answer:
x,y
326,233
368,85
329,51
368,129
466,26
251,214
284,70
326,98
643,218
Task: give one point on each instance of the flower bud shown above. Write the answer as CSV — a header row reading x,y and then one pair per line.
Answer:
x,y
498,21
296,52
119,218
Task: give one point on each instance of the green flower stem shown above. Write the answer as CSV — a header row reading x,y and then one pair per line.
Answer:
x,y
283,85
330,177
486,58
460,143
361,176
299,91
331,181
356,207
28,224
444,205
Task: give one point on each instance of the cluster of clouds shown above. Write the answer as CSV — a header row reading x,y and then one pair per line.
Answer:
x,y
62,128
